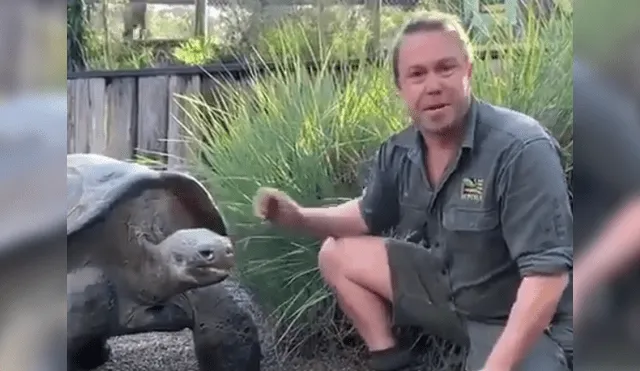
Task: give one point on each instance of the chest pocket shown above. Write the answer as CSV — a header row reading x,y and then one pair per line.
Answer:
x,y
412,223
470,221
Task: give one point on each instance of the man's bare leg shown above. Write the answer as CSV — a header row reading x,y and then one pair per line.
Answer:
x,y
357,269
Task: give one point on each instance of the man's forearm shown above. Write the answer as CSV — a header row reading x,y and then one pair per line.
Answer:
x,y
335,221
530,315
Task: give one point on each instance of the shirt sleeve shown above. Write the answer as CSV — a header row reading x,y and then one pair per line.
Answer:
x,y
379,201
535,212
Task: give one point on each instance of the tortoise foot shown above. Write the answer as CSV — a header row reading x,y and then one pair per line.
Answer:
x,y
90,356
237,350
225,335
241,357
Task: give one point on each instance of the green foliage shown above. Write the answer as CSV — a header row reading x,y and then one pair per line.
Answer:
x,y
311,35
102,46
538,78
344,31
76,25
103,52
197,51
307,133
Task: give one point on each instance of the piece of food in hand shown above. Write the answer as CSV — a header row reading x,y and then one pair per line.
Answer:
x,y
265,202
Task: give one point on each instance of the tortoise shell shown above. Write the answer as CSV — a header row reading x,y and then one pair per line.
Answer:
x,y
97,183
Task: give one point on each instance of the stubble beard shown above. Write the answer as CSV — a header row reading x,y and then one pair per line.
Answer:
x,y
429,129
451,129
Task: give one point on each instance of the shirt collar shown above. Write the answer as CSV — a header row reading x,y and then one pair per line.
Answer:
x,y
412,138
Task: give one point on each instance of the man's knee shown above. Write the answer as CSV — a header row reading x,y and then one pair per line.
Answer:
x,y
362,260
329,258
350,251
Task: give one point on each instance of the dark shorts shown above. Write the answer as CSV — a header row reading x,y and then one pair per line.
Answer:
x,y
421,297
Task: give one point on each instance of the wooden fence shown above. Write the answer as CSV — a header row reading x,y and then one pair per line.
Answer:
x,y
123,114
127,116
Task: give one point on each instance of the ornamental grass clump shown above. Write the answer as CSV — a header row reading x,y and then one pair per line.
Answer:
x,y
306,133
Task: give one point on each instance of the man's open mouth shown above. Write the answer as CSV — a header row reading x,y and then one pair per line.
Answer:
x,y
436,107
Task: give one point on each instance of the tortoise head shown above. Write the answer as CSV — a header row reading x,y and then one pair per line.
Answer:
x,y
198,257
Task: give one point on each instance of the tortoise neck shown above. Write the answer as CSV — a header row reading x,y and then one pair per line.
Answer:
x,y
138,268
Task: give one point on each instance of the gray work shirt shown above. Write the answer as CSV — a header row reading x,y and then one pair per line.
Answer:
x,y
501,211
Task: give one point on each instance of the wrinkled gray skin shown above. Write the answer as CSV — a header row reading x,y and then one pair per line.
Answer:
x,y
154,247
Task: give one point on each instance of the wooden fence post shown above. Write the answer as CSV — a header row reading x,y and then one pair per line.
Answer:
x,y
153,111
180,88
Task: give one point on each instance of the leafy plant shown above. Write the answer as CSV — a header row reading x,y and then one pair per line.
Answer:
x,y
197,51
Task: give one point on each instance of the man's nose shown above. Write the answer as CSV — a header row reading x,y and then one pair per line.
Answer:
x,y
432,84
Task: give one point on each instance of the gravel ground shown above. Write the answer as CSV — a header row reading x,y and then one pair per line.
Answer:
x,y
174,351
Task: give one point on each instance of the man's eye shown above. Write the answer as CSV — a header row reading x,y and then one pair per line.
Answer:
x,y
446,70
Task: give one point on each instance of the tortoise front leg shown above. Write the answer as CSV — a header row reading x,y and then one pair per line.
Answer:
x,y
90,306
225,336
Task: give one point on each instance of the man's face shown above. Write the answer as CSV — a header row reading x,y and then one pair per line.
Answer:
x,y
434,79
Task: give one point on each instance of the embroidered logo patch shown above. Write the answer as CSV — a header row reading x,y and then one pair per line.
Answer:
x,y
472,189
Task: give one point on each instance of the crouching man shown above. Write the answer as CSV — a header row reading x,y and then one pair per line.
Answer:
x,y
477,195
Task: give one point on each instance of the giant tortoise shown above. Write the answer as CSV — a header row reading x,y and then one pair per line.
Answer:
x,y
156,249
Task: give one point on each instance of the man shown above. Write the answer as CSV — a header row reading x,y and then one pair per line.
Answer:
x,y
606,188
480,192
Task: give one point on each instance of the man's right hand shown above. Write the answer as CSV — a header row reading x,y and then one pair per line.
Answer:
x,y
277,207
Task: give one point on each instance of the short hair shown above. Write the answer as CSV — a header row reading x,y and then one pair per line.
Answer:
x,y
427,22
